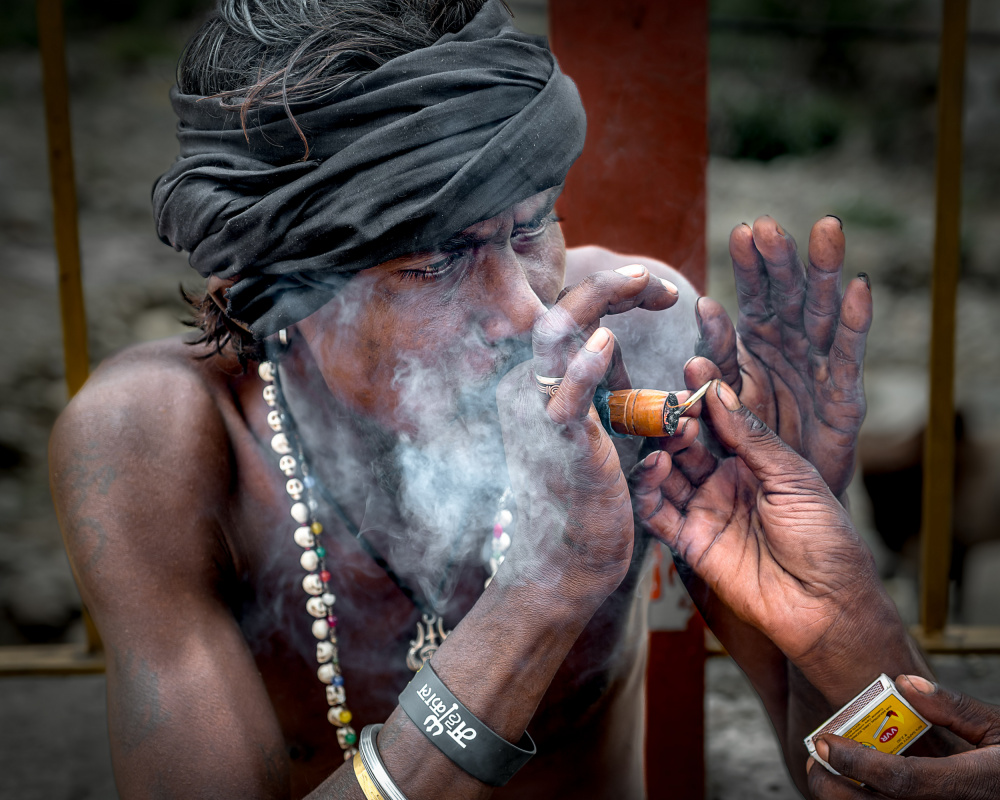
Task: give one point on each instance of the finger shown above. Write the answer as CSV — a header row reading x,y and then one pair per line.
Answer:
x,y
912,777
824,785
786,277
826,260
847,354
696,462
699,370
651,505
684,437
583,374
717,340
772,461
975,721
563,328
752,290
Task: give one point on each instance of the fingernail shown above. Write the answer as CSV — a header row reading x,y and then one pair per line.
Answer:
x,y
632,271
668,286
779,229
838,220
745,225
922,685
866,279
727,396
598,340
823,750
682,427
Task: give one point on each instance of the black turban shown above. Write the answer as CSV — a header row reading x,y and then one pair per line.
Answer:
x,y
401,159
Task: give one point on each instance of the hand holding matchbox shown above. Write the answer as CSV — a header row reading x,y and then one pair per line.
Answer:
x,y
878,718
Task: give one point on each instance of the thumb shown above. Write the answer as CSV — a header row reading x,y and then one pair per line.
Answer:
x,y
771,461
975,721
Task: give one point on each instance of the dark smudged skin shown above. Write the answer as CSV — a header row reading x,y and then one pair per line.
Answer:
x,y
178,529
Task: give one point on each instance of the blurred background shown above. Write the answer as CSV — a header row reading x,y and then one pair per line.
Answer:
x,y
819,108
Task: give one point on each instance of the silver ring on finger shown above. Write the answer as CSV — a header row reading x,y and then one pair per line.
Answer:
x,y
546,385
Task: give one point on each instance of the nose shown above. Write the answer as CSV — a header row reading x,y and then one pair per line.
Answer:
x,y
510,305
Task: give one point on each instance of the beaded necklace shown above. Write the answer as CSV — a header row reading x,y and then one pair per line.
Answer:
x,y
301,487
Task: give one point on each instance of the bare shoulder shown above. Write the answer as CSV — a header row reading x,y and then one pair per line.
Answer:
x,y
155,400
655,344
140,465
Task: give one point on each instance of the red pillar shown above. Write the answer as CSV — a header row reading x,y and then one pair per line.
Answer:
x,y
639,188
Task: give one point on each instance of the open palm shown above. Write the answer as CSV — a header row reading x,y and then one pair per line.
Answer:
x,y
797,359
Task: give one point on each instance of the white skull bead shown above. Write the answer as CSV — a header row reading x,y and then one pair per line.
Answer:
x,y
333,715
266,371
316,607
309,560
313,585
325,673
274,419
304,537
280,445
271,395
321,629
287,465
335,695
294,488
300,513
324,653
342,734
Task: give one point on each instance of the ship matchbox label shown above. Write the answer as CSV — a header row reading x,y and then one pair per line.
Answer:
x,y
878,718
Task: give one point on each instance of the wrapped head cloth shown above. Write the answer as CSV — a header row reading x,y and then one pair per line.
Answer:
x,y
400,159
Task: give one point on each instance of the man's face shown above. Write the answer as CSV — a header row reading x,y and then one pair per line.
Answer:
x,y
422,340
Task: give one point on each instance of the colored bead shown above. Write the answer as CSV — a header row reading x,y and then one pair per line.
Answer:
x,y
497,530
304,538
338,680
325,576
309,560
287,465
300,513
294,488
334,714
317,528
274,419
321,629
280,445
309,481
351,737
324,652
316,607
312,584
266,371
346,716
325,673
329,598
313,505
332,620
321,551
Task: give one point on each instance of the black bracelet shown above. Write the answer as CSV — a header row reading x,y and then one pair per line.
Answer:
x,y
466,740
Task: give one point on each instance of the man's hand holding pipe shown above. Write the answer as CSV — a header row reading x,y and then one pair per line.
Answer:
x,y
575,524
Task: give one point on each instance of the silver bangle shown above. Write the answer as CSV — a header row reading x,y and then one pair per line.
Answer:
x,y
373,763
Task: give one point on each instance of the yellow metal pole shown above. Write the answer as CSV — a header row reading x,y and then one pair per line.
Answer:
x,y
52,43
939,445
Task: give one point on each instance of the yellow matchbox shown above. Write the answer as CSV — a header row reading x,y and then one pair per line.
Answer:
x,y
878,718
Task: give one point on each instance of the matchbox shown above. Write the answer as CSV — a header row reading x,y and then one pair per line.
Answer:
x,y
878,718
